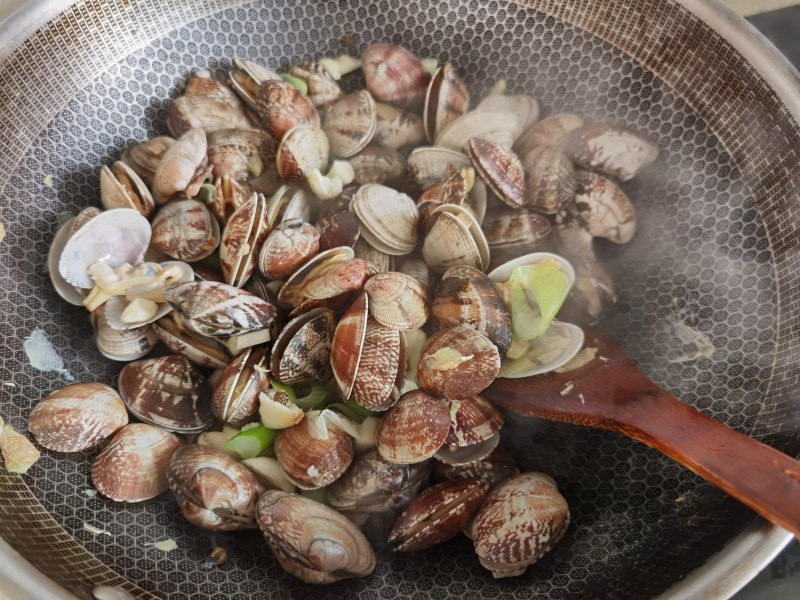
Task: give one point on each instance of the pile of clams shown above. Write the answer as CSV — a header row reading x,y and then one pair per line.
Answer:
x,y
332,279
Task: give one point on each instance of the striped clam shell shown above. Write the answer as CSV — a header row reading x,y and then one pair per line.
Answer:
x,y
414,428
381,370
350,123
397,300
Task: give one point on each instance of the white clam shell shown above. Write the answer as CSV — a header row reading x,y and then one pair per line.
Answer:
x,y
67,291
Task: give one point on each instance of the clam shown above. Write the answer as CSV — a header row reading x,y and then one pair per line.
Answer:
x,y
185,230
288,202
282,107
339,278
522,519
548,131
512,233
500,168
493,469
466,296
377,164
428,165
312,463
183,168
240,153
292,292
397,300
472,421
466,455
522,105
202,112
396,129
213,490
339,229
458,363
229,195
375,485
496,126
133,466
303,149
416,267
168,392
447,99
381,368
453,189
388,218
350,123
202,84
121,187
302,351
145,157
602,208
77,417
246,77
549,179
287,247
312,541
378,260
67,291
322,89
202,350
437,515
217,310
347,344
241,241
553,349
121,345
610,150
114,237
455,238
414,429
235,397
394,75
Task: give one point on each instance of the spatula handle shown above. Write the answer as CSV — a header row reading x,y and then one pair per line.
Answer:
x,y
757,475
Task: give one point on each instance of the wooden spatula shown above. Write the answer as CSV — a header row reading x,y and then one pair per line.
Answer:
x,y
610,392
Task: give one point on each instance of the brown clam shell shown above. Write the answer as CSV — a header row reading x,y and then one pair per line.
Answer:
x,y
414,428
549,179
381,370
350,123
231,151
394,75
182,169
501,169
461,377
340,278
397,300
339,229
201,350
378,260
377,164
438,514
242,239
472,422
121,344
282,106
302,351
213,490
168,392
465,455
200,84
610,150
522,519
230,195
185,230
312,541
292,292
77,417
493,469
447,99
348,343
216,309
466,296
514,233
144,157
302,150
201,112
549,131
602,208
322,89
287,247
310,463
235,398
133,467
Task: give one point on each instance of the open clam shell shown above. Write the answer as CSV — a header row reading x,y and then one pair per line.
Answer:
x,y
613,151
202,84
350,123
168,392
115,307
292,291
240,153
388,218
183,168
465,455
303,149
77,417
121,187
235,398
347,344
503,272
185,230
202,350
66,290
242,239
497,126
144,157
288,202
394,75
522,105
553,349
493,469
302,351
246,77
381,368
414,429
114,237
455,238
377,164
397,129
428,165
282,107
122,345
548,131
322,88
447,99
602,208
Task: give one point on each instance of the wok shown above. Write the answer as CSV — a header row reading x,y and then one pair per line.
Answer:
x,y
708,304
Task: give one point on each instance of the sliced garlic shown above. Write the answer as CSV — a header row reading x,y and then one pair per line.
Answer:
x,y
324,187
276,415
367,435
19,453
343,171
217,441
338,67
445,359
237,343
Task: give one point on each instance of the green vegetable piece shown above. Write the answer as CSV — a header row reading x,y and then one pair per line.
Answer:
x,y
430,64
315,399
212,261
536,293
296,82
251,442
207,194
360,410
